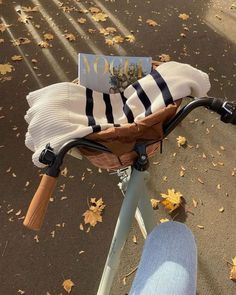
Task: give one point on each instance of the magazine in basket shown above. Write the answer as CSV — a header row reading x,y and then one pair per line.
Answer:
x,y
111,74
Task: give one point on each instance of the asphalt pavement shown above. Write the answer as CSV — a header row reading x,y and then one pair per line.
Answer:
x,y
38,263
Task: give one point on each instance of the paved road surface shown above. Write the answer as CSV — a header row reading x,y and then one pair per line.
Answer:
x,y
35,265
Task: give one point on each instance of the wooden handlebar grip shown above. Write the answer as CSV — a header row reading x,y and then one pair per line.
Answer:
x,y
38,206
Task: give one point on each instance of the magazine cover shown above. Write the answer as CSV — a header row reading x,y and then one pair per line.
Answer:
x,y
111,74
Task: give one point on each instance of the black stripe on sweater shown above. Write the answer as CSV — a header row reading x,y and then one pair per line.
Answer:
x,y
143,97
109,115
89,107
126,109
168,99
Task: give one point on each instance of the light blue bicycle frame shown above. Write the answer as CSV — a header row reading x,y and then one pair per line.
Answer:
x,y
136,203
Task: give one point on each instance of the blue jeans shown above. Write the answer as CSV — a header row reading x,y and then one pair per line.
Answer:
x,y
168,265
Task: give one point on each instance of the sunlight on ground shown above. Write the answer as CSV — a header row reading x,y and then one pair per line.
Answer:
x,y
222,22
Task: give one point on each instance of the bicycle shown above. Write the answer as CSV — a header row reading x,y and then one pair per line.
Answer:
x,y
133,179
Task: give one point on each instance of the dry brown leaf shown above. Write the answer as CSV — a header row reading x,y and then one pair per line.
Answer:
x,y
181,141
184,16
100,17
94,9
162,220
16,57
194,203
24,19
70,37
151,22
93,215
48,37
200,226
81,20
64,171
67,285
199,180
107,31
44,44
233,269
130,38
3,27
30,9
21,40
154,203
164,57
5,68
109,42
172,200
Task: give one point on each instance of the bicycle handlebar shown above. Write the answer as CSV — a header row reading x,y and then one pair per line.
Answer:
x,y
38,206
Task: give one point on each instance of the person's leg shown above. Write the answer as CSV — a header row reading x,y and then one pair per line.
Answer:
x,y
168,265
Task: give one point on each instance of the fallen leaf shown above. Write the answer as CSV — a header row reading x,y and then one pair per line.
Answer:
x,y
172,200
94,9
36,238
107,31
194,203
181,173
233,270
3,27
118,39
81,227
70,37
200,226
64,172
91,31
93,214
233,6
109,42
67,285
16,57
24,18
181,141
184,16
130,38
154,203
199,180
5,68
44,44
81,20
100,17
151,22
164,57
21,40
162,220
134,239
30,9
48,37
221,209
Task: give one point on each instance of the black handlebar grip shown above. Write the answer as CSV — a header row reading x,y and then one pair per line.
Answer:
x,y
216,105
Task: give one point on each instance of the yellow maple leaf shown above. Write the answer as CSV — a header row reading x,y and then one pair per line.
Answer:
x,y
181,141
30,9
151,22
184,16
172,200
109,42
100,17
67,285
5,68
107,31
154,203
233,270
164,57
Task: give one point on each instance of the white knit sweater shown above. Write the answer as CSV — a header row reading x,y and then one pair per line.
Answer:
x,y
64,111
